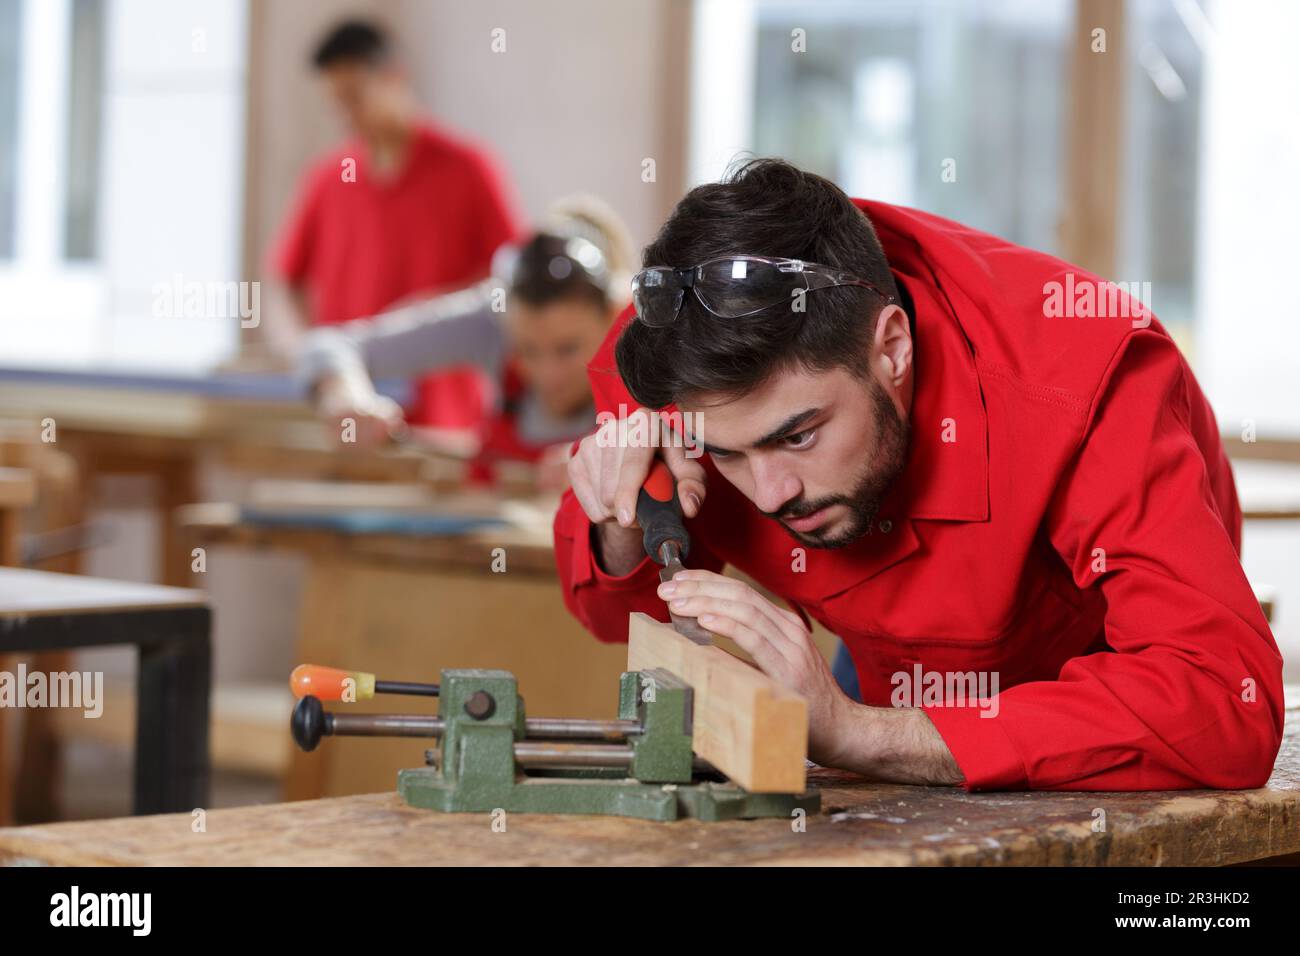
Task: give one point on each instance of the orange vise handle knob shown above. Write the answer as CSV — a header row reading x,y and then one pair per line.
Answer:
x,y
331,683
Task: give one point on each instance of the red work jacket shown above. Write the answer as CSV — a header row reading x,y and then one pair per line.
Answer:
x,y
1066,519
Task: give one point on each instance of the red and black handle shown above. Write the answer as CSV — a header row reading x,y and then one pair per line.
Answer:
x,y
659,513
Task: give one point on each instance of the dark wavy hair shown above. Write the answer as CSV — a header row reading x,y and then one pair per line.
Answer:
x,y
764,207
353,41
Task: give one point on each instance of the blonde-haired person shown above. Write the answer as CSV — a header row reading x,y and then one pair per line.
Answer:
x,y
533,327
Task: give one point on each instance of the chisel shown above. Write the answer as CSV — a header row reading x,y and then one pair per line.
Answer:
x,y
659,512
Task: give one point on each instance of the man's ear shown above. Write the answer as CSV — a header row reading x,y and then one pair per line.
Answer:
x,y
891,348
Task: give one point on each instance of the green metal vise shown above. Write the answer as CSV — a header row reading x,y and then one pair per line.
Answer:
x,y
493,757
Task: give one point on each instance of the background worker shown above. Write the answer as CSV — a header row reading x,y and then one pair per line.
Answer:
x,y
401,209
532,328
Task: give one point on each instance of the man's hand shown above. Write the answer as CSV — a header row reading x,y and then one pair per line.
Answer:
x,y
899,745
606,475
780,644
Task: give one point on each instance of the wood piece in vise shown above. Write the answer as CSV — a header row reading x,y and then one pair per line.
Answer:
x,y
745,724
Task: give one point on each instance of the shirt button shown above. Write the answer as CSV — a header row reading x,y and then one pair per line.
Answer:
x,y
886,525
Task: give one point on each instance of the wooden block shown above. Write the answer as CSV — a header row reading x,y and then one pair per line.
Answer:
x,y
745,724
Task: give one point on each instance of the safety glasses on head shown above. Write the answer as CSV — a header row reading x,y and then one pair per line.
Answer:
x,y
733,286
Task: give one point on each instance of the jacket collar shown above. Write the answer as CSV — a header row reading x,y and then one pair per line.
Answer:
x,y
942,480
946,476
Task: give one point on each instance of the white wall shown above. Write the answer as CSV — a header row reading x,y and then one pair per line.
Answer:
x,y
580,97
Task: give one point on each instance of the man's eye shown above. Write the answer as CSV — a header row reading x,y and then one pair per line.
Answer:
x,y
720,454
801,440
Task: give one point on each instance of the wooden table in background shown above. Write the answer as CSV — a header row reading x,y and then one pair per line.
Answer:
x,y
17,494
164,427
860,824
170,627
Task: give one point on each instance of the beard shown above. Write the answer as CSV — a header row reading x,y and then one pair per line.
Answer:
x,y
872,483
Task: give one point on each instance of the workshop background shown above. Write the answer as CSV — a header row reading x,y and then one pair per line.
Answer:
x,y
1165,158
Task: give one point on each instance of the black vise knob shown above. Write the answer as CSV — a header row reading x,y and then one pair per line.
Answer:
x,y
308,723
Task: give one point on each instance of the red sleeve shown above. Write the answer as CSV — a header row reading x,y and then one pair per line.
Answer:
x,y
1189,693
599,600
291,259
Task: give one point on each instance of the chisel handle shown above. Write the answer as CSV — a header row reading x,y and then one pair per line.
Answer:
x,y
659,513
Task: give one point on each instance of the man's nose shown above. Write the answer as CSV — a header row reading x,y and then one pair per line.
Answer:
x,y
773,485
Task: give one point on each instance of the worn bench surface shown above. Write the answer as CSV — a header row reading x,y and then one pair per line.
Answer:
x,y
861,823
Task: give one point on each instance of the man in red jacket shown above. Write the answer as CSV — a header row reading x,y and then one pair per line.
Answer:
x,y
990,473
400,210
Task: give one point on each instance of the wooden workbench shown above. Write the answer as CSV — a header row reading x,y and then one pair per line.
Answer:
x,y
861,824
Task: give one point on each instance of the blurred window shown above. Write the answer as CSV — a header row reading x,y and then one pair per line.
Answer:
x,y
9,28
1160,168
85,92
961,108
954,107
121,182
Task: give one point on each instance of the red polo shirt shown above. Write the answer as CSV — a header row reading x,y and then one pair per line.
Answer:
x,y
1077,534
361,245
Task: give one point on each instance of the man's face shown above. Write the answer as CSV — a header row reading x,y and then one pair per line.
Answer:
x,y
367,97
814,450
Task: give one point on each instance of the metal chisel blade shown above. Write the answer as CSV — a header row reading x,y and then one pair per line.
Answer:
x,y
687,627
